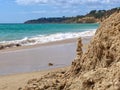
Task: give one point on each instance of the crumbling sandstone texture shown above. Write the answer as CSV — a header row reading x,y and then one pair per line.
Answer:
x,y
104,49
96,69
99,67
50,81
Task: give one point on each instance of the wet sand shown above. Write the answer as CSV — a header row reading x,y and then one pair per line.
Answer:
x,y
18,65
36,58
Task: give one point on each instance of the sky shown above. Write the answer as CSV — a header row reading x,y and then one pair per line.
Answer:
x,y
18,11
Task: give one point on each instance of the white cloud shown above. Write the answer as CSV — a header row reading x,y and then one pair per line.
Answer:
x,y
70,2
26,2
56,2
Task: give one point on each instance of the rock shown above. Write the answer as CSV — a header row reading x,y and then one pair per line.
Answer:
x,y
51,81
50,64
98,67
104,49
17,45
1,47
9,45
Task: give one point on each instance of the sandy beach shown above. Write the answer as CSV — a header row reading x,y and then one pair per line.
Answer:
x,y
60,45
16,64
14,82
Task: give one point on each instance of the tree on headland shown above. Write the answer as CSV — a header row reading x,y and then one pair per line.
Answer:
x,y
92,17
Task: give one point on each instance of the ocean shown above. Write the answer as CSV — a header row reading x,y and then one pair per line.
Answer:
x,y
30,34
35,59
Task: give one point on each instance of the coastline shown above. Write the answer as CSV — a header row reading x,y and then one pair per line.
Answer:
x,y
73,40
45,39
37,57
59,42
66,48
53,57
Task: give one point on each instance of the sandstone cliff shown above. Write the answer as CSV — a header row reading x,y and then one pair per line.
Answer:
x,y
87,20
96,69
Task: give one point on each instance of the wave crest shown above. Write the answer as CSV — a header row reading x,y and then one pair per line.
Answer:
x,y
45,38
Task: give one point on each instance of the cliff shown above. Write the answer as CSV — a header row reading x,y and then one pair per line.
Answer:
x,y
97,68
93,16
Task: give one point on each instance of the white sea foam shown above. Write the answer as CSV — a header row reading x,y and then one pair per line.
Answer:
x,y
48,38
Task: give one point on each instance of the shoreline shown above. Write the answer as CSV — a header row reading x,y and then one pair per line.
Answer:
x,y
15,80
59,42
43,40
38,57
66,41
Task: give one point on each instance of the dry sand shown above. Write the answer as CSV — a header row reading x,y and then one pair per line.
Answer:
x,y
14,82
34,58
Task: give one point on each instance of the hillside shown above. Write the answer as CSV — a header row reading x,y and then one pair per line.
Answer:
x,y
93,16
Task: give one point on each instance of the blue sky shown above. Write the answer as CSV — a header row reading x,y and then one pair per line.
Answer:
x,y
18,11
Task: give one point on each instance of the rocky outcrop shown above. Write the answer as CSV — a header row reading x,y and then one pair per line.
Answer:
x,y
51,81
87,20
97,68
9,45
17,43
104,49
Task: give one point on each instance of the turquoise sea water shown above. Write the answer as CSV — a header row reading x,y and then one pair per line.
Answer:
x,y
43,32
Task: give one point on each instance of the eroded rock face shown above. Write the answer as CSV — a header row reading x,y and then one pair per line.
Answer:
x,y
87,20
98,67
50,81
79,54
104,49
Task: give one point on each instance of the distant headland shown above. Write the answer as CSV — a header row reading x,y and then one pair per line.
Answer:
x,y
94,16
